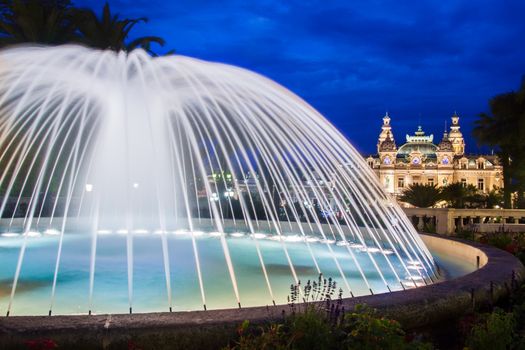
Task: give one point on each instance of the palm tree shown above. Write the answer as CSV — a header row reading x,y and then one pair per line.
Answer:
x,y
459,195
504,129
111,32
421,196
47,22
494,198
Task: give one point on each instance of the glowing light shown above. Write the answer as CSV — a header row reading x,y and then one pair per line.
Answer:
x,y
51,232
327,241
122,232
181,232
197,233
214,197
413,262
259,235
32,234
342,243
312,239
237,234
417,282
141,231
216,234
10,234
89,187
104,232
370,249
293,238
135,185
414,277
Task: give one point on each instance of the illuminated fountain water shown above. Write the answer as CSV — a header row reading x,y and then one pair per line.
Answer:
x,y
98,147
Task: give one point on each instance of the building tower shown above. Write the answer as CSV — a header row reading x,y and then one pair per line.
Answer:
x,y
386,132
456,137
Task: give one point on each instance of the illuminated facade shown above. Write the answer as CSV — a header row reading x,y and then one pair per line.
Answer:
x,y
420,160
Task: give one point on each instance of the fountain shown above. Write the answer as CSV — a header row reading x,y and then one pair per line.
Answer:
x,y
152,184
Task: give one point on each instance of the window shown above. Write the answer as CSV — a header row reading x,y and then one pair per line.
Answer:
x,y
481,165
464,165
371,163
400,182
416,179
481,184
464,182
431,181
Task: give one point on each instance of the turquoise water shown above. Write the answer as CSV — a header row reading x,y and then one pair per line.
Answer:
x,y
33,294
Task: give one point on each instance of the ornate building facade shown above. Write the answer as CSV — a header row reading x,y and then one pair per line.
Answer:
x,y
420,160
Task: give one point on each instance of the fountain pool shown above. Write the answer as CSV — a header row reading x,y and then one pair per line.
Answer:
x,y
111,294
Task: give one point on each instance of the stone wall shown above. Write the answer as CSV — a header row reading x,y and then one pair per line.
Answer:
x,y
448,220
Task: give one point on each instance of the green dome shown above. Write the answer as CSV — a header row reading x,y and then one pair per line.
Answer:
x,y
426,148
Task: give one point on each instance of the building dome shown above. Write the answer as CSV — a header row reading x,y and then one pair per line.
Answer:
x,y
426,148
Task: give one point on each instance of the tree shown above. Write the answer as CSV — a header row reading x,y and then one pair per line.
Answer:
x,y
421,196
111,32
459,195
56,22
504,129
47,22
494,198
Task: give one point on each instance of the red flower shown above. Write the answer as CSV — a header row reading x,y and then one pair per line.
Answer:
x,y
41,344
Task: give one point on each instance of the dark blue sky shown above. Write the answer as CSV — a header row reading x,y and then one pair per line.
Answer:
x,y
353,60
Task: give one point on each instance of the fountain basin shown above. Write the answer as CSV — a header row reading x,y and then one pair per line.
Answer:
x,y
499,271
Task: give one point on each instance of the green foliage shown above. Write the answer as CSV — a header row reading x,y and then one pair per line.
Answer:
x,y
499,240
494,332
111,32
37,21
319,322
421,196
56,22
265,338
364,329
311,329
458,195
504,129
494,198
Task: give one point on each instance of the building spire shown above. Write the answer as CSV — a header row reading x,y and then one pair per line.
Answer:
x,y
456,137
386,132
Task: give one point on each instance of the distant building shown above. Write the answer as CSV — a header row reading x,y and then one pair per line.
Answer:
x,y
420,160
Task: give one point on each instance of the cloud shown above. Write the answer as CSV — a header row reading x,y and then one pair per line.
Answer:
x,y
354,59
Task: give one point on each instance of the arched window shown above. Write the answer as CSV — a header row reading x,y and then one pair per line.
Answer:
x,y
481,164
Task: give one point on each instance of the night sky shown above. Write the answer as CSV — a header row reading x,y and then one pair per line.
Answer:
x,y
353,60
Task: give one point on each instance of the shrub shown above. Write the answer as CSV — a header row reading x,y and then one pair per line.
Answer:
x,y
365,329
312,329
494,331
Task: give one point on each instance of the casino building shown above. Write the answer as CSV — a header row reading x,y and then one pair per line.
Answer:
x,y
420,160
